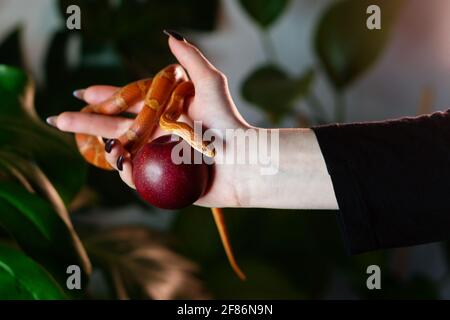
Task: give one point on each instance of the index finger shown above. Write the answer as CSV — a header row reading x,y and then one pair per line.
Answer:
x,y
99,93
92,124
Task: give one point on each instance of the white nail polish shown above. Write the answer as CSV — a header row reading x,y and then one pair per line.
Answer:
x,y
79,94
52,120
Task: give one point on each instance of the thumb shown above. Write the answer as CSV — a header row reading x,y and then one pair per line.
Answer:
x,y
190,57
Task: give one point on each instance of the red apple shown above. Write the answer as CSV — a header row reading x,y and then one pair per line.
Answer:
x,y
163,183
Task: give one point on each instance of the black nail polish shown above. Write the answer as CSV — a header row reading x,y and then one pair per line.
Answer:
x,y
120,162
174,34
109,145
105,140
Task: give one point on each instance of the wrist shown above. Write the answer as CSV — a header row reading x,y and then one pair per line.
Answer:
x,y
290,172
256,158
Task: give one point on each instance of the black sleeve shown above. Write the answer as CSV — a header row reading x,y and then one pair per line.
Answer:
x,y
391,180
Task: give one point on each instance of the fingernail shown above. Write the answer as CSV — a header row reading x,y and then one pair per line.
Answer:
x,y
109,145
120,162
105,140
174,34
79,94
52,120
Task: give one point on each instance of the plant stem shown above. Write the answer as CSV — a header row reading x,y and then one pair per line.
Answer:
x,y
340,107
317,107
269,47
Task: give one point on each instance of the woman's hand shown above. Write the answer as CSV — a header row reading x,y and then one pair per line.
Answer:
x,y
212,105
299,180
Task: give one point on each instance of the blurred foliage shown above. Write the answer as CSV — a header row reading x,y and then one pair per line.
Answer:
x,y
139,265
41,232
264,12
343,43
131,29
32,209
10,50
274,91
345,47
285,255
22,134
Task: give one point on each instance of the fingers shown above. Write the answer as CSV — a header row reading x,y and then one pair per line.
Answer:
x,y
119,159
105,126
97,94
92,124
198,67
100,93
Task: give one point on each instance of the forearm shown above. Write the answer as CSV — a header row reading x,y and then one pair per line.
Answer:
x,y
297,179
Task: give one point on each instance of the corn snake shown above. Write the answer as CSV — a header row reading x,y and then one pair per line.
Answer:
x,y
164,99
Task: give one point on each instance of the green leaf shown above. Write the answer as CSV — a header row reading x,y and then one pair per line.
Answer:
x,y
264,12
22,133
23,279
54,154
40,231
12,84
274,91
47,164
32,178
10,52
345,46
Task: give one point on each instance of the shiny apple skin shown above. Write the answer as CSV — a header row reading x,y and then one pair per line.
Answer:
x,y
161,182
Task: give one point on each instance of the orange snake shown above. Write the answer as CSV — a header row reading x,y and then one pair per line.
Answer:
x,y
164,100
